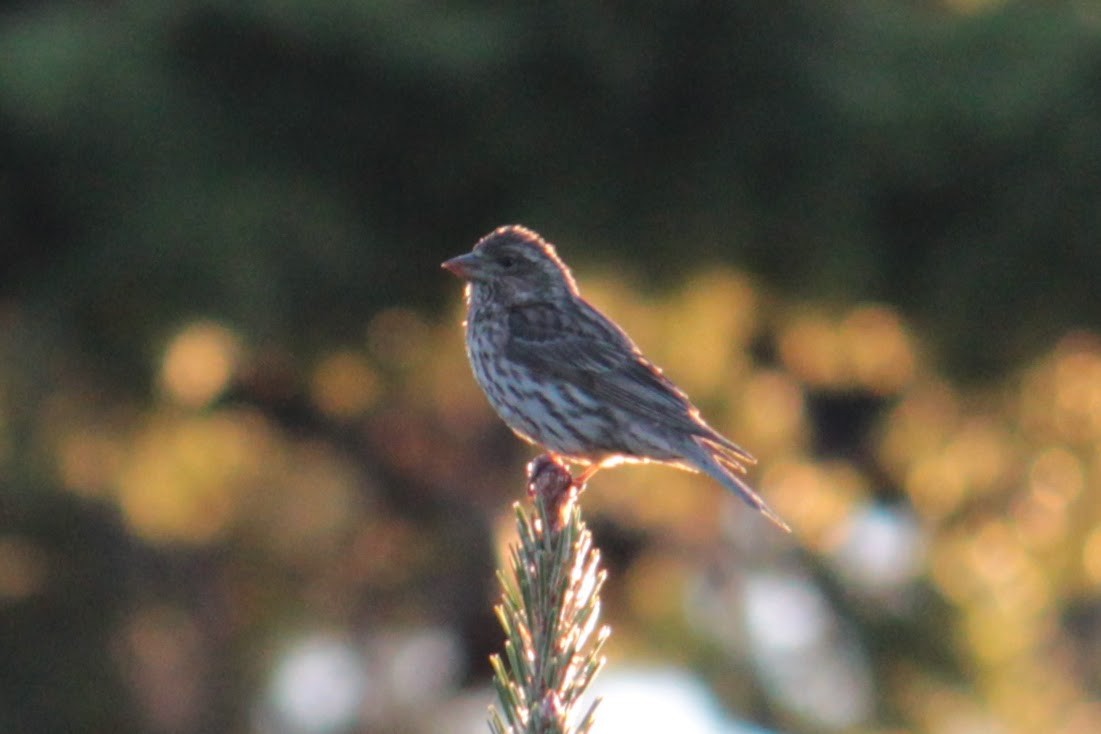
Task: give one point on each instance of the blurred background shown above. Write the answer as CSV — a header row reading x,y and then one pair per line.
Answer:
x,y
247,483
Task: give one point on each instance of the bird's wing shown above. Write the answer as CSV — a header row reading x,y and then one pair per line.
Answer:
x,y
579,345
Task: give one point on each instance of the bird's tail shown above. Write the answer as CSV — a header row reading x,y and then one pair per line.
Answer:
x,y
723,464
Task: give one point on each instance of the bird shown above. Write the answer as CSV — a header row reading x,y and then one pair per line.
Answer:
x,y
565,377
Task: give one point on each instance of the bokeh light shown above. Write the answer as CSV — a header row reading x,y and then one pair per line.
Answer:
x,y
186,478
344,386
199,363
318,687
650,701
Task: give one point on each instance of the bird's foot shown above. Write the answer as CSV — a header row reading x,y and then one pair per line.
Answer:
x,y
550,480
583,478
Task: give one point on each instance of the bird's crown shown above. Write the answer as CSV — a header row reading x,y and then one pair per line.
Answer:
x,y
516,243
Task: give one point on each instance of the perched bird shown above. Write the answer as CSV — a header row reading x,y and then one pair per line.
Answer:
x,y
563,376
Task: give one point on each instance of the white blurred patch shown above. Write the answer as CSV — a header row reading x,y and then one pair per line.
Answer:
x,y
785,614
879,553
414,668
803,656
657,701
326,684
317,687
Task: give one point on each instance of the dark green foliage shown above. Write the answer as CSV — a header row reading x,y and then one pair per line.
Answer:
x,y
285,164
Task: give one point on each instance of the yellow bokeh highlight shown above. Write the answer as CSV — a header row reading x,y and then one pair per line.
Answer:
x,y
1011,577
878,347
1039,526
934,486
1055,479
1091,556
919,426
814,497
981,451
974,460
199,363
988,569
870,348
996,638
1051,693
344,386
946,562
1077,371
771,415
185,478
1060,396
658,498
811,349
708,326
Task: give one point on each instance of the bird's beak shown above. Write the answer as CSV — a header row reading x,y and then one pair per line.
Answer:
x,y
464,266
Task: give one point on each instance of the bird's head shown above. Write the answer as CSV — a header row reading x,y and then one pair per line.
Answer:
x,y
516,266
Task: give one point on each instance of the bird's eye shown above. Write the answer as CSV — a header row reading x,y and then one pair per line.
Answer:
x,y
506,261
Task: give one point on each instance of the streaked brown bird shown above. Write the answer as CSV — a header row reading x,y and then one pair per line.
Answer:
x,y
563,376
